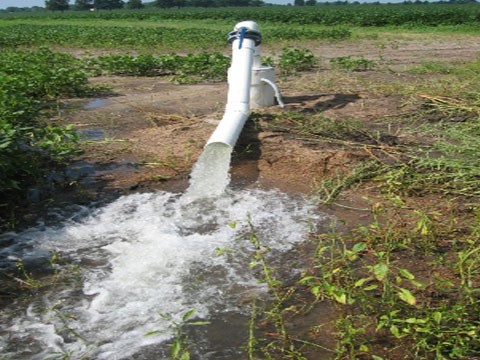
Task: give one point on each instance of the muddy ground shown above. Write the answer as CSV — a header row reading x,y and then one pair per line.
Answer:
x,y
148,133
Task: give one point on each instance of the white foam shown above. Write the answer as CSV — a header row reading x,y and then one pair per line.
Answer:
x,y
146,254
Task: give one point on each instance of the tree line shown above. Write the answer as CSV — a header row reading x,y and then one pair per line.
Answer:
x,y
62,5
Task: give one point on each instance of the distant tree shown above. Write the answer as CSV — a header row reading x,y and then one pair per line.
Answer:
x,y
164,3
134,4
54,5
108,4
201,3
299,2
310,2
169,3
83,4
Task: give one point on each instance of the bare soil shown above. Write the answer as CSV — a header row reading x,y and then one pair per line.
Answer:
x,y
149,132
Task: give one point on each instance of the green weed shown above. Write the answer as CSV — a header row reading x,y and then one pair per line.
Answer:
x,y
180,346
377,290
282,344
433,67
295,60
350,63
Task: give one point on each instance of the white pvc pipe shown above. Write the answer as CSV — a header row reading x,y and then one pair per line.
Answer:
x,y
275,89
239,81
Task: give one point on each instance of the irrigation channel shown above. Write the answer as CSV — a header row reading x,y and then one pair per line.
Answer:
x,y
145,260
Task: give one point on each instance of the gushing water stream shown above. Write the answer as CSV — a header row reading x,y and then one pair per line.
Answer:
x,y
210,175
149,254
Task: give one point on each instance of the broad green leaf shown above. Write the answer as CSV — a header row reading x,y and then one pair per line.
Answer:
x,y
351,255
341,298
359,247
220,251
380,270
395,332
364,348
406,274
437,316
336,270
423,329
407,296
188,314
315,290
415,321
176,347
417,284
362,281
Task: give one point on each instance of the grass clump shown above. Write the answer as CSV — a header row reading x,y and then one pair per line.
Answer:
x,y
450,164
315,127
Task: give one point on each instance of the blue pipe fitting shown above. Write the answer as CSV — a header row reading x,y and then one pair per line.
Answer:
x,y
244,33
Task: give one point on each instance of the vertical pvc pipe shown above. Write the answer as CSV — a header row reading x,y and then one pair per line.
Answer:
x,y
239,82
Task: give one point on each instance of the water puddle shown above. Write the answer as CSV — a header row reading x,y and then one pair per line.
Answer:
x,y
95,104
92,134
143,256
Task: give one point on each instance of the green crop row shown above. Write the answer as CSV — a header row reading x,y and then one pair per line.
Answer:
x,y
360,15
110,37
28,81
141,38
187,68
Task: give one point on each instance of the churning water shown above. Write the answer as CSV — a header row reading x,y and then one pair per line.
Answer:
x,y
145,255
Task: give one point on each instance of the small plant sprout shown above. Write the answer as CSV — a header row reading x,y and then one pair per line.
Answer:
x,y
180,345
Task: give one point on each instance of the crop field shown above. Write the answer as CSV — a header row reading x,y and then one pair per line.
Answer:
x,y
381,127
366,15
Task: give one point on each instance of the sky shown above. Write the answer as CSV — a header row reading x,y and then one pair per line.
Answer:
x,y
22,3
